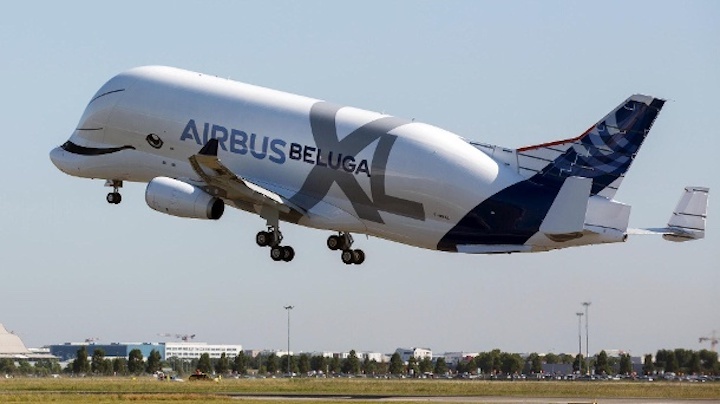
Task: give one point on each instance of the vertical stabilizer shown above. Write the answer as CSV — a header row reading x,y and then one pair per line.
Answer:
x,y
603,153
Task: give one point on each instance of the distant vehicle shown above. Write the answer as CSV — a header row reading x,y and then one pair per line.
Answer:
x,y
202,142
199,376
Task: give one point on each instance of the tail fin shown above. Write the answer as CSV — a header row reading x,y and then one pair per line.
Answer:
x,y
688,219
604,152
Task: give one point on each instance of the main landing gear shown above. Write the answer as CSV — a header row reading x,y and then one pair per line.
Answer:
x,y
114,197
272,239
343,241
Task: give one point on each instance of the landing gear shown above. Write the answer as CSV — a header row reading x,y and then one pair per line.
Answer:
x,y
282,253
344,241
114,197
356,257
265,238
272,239
336,242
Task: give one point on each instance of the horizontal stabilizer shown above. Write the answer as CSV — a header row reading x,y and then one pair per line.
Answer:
x,y
566,218
688,219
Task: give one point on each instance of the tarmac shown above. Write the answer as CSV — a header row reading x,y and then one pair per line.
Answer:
x,y
475,400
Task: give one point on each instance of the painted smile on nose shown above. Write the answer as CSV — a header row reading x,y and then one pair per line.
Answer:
x,y
92,151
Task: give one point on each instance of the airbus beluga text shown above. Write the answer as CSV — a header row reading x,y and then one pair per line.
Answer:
x,y
201,142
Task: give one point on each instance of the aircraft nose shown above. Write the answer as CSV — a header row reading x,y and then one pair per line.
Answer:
x,y
55,156
58,156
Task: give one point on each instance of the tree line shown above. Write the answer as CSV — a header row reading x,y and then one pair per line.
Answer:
x,y
42,367
487,363
681,361
98,364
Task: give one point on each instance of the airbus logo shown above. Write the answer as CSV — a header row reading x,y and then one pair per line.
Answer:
x,y
274,149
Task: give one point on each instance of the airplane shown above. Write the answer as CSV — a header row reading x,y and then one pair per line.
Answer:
x,y
201,142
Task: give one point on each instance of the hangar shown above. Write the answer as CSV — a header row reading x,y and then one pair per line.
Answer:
x,y
11,346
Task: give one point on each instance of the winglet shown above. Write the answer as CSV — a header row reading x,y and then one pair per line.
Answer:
x,y
210,148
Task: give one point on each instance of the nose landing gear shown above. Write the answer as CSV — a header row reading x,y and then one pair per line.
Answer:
x,y
343,241
114,197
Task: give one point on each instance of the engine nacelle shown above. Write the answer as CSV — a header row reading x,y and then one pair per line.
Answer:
x,y
177,198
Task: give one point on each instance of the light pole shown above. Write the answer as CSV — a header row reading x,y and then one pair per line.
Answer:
x,y
587,335
288,308
580,314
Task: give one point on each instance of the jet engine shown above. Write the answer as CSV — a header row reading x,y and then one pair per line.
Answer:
x,y
177,198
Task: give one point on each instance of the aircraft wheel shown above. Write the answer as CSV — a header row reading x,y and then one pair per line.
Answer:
x,y
264,238
347,257
114,198
288,253
358,257
333,242
277,253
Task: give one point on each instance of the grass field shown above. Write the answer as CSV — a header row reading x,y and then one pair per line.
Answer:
x,y
146,389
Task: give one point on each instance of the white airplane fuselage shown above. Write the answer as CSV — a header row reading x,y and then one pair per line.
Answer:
x,y
340,168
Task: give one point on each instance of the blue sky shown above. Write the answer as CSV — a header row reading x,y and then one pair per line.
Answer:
x,y
507,73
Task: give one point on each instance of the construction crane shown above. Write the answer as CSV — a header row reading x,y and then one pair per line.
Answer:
x,y
713,341
183,337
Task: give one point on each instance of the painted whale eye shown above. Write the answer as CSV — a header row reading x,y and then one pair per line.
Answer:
x,y
154,140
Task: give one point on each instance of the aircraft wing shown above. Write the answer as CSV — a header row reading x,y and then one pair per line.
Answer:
x,y
222,182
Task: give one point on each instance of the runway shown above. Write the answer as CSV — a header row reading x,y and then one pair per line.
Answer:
x,y
473,400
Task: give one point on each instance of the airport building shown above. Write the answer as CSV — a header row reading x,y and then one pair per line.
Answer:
x,y
193,350
68,351
453,358
376,356
252,353
12,347
182,350
325,354
417,353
